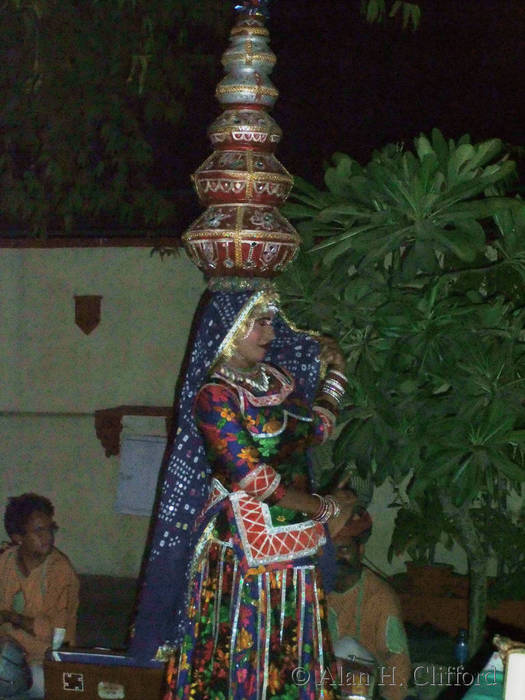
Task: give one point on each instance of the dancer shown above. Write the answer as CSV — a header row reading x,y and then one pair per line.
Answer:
x,y
236,510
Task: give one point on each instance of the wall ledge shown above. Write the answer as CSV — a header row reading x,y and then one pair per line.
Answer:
x,y
25,242
108,423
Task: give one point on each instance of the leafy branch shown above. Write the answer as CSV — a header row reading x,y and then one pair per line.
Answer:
x,y
379,11
414,262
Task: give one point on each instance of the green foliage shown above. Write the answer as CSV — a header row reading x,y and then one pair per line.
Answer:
x,y
505,534
85,85
416,263
378,11
416,533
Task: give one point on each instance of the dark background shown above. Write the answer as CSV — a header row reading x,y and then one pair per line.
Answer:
x,y
346,85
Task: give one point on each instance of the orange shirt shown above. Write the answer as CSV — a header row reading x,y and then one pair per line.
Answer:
x,y
49,595
370,613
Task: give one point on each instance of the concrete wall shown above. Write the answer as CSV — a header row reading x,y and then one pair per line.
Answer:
x,y
53,378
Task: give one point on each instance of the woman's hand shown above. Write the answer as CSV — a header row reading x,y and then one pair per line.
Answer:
x,y
331,354
344,496
346,500
335,525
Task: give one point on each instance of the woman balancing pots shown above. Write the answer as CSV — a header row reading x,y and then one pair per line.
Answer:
x,y
232,593
232,581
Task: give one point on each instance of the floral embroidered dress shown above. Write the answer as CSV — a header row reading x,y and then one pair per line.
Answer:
x,y
257,626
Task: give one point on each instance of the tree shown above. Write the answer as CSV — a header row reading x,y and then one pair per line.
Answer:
x,y
90,89
417,265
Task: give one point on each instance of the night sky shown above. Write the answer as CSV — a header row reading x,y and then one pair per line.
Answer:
x,y
346,85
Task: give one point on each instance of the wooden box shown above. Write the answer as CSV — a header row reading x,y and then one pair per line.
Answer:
x,y
100,675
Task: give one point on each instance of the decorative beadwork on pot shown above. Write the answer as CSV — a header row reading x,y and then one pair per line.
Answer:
x,y
245,128
247,58
242,233
245,240
242,176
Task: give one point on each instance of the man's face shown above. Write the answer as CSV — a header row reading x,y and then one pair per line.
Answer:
x,y
38,537
348,553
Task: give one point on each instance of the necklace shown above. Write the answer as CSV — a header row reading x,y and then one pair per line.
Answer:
x,y
254,379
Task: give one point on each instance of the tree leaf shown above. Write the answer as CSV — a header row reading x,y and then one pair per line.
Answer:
x,y
296,211
516,437
508,468
459,241
480,209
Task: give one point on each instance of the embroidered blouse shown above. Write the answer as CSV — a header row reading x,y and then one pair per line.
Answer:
x,y
256,443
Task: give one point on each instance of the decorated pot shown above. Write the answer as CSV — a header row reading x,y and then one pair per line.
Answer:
x,y
244,240
242,176
245,127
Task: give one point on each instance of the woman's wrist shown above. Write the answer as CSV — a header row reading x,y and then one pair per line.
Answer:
x,y
333,388
328,509
337,364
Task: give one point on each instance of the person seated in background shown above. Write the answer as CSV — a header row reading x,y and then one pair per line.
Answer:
x,y
38,586
364,607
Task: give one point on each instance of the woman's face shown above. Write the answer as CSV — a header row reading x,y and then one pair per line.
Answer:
x,y
254,346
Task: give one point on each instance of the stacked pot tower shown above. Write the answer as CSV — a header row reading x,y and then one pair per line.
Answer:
x,y
242,184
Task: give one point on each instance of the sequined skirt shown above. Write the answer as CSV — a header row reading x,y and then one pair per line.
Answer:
x,y
254,636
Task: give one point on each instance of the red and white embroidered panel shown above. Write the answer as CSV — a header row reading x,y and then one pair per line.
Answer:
x,y
265,544
261,482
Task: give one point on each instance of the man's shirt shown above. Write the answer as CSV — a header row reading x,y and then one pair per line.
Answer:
x,y
49,595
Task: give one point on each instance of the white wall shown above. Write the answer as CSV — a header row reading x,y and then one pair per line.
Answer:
x,y
53,378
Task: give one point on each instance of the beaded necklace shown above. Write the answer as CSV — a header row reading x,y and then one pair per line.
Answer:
x,y
253,379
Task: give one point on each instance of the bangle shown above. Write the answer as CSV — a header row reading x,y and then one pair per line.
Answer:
x,y
328,420
339,374
337,380
328,508
322,513
327,413
336,508
336,395
334,385
329,387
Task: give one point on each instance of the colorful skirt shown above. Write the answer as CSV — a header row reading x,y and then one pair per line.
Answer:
x,y
252,636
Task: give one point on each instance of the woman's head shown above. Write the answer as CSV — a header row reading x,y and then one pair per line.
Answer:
x,y
249,330
253,347
251,333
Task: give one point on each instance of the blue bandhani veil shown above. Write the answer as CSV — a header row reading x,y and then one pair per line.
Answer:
x,y
161,615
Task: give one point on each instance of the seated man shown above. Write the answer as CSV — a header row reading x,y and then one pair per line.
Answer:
x,y
364,607
38,586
